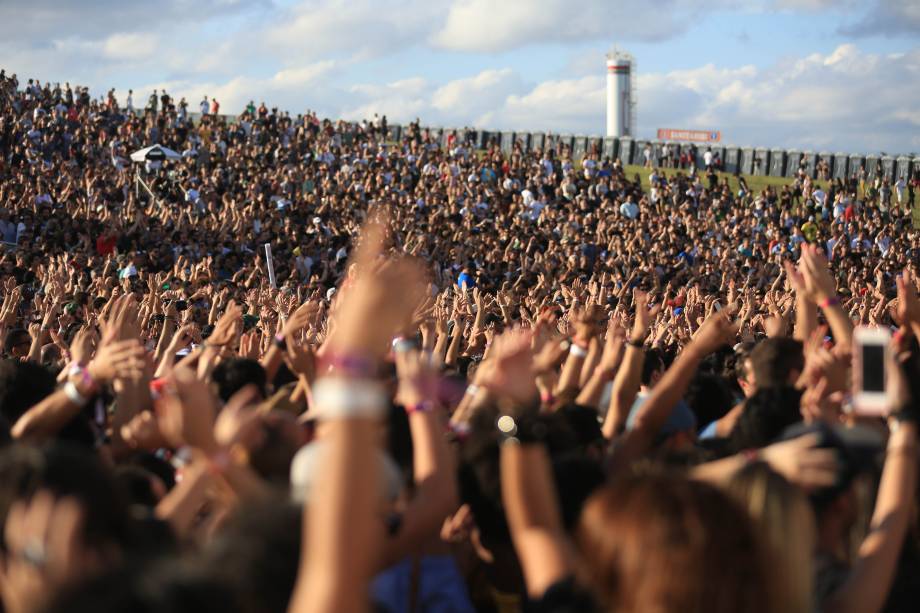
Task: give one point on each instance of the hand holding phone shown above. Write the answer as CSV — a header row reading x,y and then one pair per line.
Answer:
x,y
871,347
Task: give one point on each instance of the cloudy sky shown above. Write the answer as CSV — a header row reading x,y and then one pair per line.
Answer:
x,y
820,74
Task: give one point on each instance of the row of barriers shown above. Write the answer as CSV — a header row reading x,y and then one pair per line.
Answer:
x,y
744,160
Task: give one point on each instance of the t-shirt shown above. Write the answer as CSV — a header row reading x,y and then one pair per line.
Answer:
x,y
467,279
8,231
105,246
810,230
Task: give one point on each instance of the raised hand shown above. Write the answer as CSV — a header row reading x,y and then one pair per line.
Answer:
x,y
186,412
512,371
83,345
45,551
717,331
908,308
585,323
417,378
385,294
818,282
226,327
301,317
117,360
613,347
644,316
800,461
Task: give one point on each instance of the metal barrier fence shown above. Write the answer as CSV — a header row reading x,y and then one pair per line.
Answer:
x,y
746,160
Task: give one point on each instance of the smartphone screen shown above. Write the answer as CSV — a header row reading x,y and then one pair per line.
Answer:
x,y
873,368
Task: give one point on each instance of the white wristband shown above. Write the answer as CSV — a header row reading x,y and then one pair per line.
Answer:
x,y
471,389
74,395
577,351
349,399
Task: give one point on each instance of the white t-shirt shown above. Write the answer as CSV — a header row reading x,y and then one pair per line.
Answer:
x,y
536,207
819,196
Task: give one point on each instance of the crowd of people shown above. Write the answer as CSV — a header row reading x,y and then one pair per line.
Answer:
x,y
463,380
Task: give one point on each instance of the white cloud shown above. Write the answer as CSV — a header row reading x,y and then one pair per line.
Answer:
x,y
462,99
567,105
845,99
132,46
489,25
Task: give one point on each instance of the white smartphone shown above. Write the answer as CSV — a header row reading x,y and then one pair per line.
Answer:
x,y
870,365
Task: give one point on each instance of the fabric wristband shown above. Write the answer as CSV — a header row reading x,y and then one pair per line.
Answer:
x,y
829,302
349,399
86,380
578,351
74,395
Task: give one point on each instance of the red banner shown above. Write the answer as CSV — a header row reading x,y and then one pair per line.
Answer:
x,y
699,136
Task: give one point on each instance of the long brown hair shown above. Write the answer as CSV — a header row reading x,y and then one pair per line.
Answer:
x,y
786,523
665,544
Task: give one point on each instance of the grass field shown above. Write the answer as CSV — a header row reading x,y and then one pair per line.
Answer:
x,y
755,182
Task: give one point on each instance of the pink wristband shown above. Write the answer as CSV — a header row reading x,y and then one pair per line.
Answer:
x,y
350,365
421,407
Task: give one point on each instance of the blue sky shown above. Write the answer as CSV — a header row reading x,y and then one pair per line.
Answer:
x,y
809,74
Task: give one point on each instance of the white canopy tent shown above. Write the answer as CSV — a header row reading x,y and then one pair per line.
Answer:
x,y
154,153
152,157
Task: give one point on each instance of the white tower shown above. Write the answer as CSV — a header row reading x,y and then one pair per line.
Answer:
x,y
620,117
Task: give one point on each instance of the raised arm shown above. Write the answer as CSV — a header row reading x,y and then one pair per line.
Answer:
x,y
531,507
435,492
342,529
715,332
629,376
872,573
606,368
821,287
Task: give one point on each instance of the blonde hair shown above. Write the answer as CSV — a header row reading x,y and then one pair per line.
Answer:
x,y
787,527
